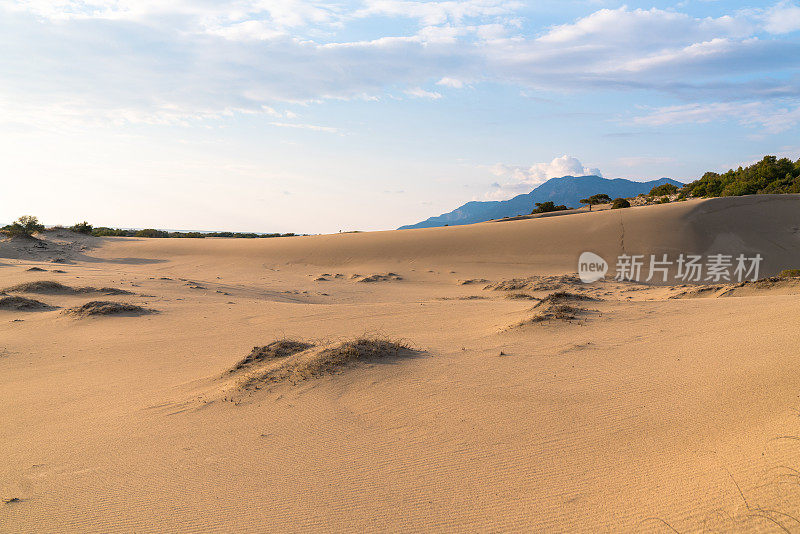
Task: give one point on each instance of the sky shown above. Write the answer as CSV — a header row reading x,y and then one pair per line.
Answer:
x,y
313,117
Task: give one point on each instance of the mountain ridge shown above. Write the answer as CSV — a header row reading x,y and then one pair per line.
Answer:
x,y
568,190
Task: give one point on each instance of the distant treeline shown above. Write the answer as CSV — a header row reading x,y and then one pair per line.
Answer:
x,y
103,231
770,175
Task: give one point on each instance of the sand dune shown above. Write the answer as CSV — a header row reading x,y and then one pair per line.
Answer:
x,y
641,412
765,224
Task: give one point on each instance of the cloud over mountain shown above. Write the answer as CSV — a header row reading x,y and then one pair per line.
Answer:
x,y
517,179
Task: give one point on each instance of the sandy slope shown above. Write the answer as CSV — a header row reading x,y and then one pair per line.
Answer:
x,y
645,413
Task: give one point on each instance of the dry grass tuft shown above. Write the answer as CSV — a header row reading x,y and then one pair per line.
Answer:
x,y
102,307
105,290
559,297
698,291
40,286
472,281
312,363
537,283
22,304
563,312
520,296
381,277
360,350
45,287
557,306
781,282
275,350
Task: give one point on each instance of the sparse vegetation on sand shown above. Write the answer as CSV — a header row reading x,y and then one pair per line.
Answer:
x,y
359,350
473,281
82,228
25,226
381,277
698,292
563,312
783,282
537,283
315,362
275,350
558,306
22,304
101,307
40,286
559,297
52,287
520,296
104,231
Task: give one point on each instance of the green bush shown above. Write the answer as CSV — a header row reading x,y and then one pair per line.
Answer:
x,y
104,231
194,235
82,228
620,203
789,273
151,232
25,226
600,198
663,189
547,207
770,175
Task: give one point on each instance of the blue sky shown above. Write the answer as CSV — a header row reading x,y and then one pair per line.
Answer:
x,y
308,116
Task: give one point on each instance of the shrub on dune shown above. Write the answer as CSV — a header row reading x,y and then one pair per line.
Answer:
x,y
600,198
82,228
547,207
663,189
25,226
620,203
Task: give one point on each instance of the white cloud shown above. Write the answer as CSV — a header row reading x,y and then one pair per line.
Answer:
x,y
518,179
433,13
418,92
772,117
313,127
249,30
451,82
280,13
630,48
782,18
185,60
706,49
